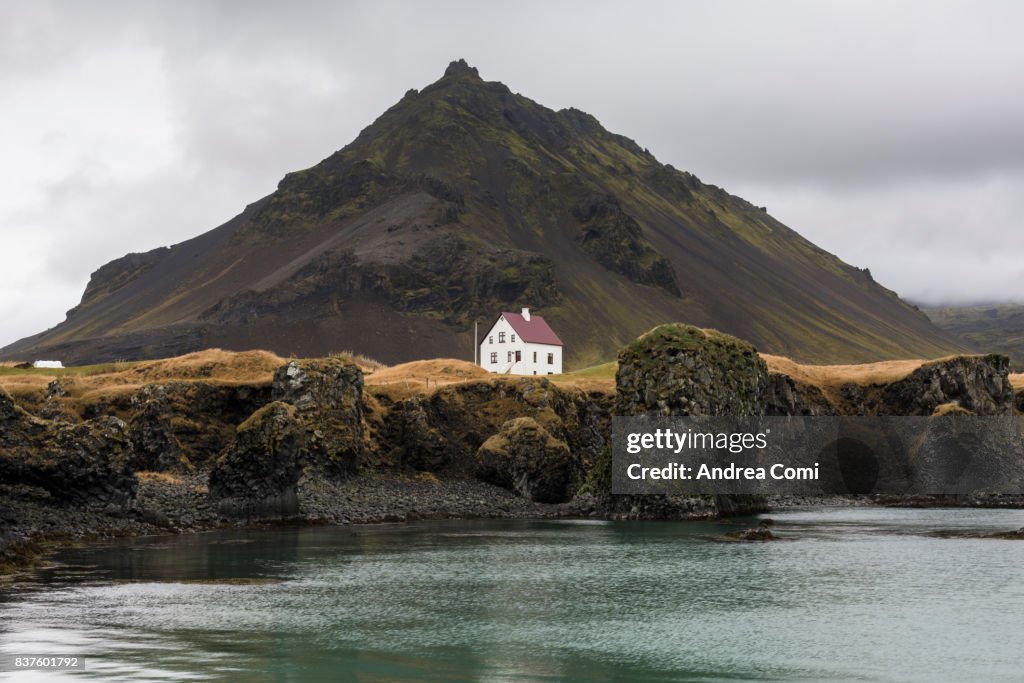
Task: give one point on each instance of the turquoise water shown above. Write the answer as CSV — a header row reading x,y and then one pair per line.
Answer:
x,y
850,594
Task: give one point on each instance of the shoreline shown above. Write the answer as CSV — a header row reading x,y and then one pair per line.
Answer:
x,y
34,527
180,504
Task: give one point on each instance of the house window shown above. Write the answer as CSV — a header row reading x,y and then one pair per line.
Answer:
x,y
519,356
535,358
494,356
551,359
509,356
501,337
490,339
513,338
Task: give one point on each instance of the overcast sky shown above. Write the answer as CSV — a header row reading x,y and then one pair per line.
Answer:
x,y
890,133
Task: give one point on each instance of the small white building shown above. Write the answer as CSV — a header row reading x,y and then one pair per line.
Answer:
x,y
48,364
521,344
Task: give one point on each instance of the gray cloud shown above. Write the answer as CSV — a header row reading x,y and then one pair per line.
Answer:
x,y
886,132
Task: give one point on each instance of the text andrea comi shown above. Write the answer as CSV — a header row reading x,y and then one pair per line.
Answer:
x,y
689,439
731,472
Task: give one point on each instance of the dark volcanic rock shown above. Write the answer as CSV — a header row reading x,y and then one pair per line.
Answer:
x,y
787,397
178,426
953,458
154,446
79,463
524,457
443,431
1017,535
418,444
760,533
259,476
328,398
979,384
616,241
448,277
684,370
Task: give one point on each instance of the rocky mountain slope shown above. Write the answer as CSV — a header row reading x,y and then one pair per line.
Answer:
x,y
464,199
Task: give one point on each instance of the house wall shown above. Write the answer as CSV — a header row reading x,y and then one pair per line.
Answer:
x,y
491,342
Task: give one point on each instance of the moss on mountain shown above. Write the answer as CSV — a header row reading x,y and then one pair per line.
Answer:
x,y
545,208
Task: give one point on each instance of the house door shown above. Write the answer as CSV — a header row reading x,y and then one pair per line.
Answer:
x,y
519,356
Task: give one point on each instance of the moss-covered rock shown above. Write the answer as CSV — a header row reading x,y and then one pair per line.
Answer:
x,y
678,369
979,384
417,443
84,463
442,431
526,458
178,426
327,394
786,397
258,477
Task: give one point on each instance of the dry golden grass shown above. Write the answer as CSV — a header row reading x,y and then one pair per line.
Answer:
x,y
424,376
952,408
882,372
228,366
365,363
87,384
604,385
825,377
1017,381
158,477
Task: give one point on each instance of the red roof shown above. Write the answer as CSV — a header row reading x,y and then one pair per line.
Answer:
x,y
535,330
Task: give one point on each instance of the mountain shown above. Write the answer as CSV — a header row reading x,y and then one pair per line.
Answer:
x,y
466,199
997,328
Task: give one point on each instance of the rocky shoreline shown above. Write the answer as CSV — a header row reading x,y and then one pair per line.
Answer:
x,y
33,526
316,445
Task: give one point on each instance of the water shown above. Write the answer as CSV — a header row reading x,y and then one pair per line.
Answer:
x,y
851,594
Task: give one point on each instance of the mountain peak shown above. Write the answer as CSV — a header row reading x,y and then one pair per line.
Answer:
x,y
464,199
460,67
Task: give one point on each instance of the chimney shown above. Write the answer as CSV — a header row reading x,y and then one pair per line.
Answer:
x,y
526,314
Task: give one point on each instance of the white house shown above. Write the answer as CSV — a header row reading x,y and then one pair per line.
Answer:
x,y
521,344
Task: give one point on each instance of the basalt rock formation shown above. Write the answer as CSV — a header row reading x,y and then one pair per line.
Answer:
x,y
443,432
525,458
975,385
684,370
83,463
547,442
979,384
328,397
258,477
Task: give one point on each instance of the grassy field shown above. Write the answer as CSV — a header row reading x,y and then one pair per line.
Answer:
x,y
90,383
87,383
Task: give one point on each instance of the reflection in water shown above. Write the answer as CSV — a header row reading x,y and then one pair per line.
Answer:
x,y
850,594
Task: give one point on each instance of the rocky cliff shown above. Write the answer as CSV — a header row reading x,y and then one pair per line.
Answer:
x,y
273,448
